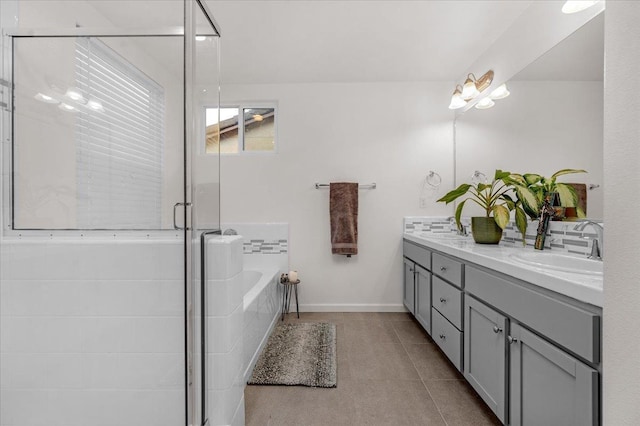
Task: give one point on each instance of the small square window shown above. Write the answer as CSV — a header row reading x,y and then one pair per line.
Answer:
x,y
256,134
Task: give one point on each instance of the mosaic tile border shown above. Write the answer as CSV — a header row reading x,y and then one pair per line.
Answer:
x,y
261,246
561,236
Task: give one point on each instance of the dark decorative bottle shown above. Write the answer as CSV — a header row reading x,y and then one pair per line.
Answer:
x,y
546,213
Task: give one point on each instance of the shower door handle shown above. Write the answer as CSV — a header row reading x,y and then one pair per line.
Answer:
x,y
175,207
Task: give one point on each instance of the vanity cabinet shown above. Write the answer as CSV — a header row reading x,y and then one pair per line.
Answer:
x,y
408,296
485,359
549,385
417,283
531,354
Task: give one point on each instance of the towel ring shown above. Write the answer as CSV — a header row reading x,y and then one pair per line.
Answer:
x,y
433,179
478,177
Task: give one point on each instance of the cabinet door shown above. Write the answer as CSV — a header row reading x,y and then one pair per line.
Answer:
x,y
409,285
423,298
548,386
485,354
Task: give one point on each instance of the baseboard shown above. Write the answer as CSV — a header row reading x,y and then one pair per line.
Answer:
x,y
346,307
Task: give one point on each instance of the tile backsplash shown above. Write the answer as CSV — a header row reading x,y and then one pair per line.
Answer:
x,y
264,244
561,236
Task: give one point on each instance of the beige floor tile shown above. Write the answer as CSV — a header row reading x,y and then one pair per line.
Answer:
x,y
459,404
431,362
410,332
299,405
314,317
378,316
373,332
380,362
394,402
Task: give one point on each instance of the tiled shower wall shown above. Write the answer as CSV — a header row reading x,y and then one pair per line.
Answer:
x,y
92,333
561,236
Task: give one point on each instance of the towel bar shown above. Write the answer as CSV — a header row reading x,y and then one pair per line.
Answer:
x,y
366,186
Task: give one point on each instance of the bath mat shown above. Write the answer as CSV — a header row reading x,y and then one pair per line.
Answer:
x,y
301,354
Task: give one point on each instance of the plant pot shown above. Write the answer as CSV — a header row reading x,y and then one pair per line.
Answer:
x,y
485,230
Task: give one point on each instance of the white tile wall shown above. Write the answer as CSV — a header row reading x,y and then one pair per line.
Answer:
x,y
91,333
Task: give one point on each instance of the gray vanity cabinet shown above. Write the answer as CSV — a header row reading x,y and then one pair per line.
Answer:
x,y
485,354
423,297
408,297
547,385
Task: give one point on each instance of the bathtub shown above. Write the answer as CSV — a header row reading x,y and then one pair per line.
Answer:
x,y
261,312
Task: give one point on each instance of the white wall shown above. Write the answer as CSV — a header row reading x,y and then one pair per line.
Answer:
x,y
388,133
542,127
622,197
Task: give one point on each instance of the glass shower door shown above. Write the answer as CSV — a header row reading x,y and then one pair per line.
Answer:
x,y
95,274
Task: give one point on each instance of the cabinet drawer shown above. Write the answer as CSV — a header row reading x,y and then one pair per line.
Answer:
x,y
447,337
418,254
448,301
447,268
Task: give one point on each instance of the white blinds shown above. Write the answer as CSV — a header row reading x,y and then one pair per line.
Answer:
x,y
119,148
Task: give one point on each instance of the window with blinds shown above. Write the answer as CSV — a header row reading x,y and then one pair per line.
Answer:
x,y
119,141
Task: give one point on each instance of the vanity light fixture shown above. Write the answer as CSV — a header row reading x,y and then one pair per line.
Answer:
x,y
574,6
500,92
470,89
456,99
485,103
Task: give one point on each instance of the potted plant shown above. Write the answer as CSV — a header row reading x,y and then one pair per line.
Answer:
x,y
532,189
495,201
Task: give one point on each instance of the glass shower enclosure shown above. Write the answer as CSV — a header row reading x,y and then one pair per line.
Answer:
x,y
106,190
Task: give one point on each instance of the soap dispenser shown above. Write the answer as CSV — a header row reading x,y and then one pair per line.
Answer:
x,y
546,213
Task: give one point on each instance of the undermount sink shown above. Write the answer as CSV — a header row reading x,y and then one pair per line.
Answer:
x,y
443,236
559,262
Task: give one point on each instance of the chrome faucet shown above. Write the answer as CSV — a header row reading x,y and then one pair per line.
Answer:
x,y
597,248
460,230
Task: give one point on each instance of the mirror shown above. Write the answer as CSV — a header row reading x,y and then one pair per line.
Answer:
x,y
552,119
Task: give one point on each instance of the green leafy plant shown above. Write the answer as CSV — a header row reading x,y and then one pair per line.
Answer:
x,y
531,190
493,198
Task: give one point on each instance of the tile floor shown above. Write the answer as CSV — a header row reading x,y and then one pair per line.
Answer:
x,y
390,372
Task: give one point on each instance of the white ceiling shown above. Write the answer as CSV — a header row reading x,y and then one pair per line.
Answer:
x,y
273,41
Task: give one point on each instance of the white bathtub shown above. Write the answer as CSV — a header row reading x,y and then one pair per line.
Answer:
x,y
261,312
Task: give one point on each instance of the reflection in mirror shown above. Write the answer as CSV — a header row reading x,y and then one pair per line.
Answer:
x,y
552,120
96,124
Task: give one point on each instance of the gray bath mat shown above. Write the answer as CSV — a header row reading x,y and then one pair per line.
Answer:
x,y
298,354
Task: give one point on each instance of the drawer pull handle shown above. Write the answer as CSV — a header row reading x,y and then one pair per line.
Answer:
x,y
443,300
442,336
512,340
443,268
497,329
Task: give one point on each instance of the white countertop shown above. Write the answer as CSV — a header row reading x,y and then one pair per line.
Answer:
x,y
583,287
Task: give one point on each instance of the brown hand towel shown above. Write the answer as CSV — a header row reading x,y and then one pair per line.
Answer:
x,y
343,209
581,191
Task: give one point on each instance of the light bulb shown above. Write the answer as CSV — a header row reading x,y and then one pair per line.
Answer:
x,y
574,6
456,100
469,90
45,98
500,92
75,94
485,103
258,117
95,104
